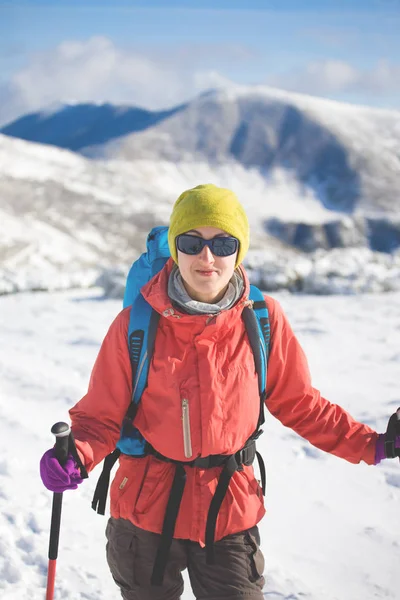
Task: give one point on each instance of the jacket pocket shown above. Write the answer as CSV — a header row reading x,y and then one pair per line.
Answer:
x,y
126,486
155,488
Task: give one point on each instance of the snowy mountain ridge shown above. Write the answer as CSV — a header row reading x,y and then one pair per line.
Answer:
x,y
326,146
348,155
304,168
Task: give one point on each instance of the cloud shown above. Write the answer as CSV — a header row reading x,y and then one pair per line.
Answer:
x,y
334,76
98,71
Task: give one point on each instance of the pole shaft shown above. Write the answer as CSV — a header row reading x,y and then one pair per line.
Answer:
x,y
51,577
55,526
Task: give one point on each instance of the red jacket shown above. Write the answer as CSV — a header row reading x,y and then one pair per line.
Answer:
x,y
203,365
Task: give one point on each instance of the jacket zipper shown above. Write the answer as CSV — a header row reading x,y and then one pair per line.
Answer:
x,y
187,441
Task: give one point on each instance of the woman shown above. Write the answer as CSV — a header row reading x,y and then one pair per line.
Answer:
x,y
202,400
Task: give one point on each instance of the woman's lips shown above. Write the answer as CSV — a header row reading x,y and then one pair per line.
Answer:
x,y
206,273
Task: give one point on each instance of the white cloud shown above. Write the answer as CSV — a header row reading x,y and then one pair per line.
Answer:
x,y
334,76
98,71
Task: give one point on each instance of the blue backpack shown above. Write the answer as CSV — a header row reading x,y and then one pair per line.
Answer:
x,y
141,337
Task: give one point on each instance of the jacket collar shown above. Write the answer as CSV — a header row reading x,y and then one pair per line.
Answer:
x,y
155,292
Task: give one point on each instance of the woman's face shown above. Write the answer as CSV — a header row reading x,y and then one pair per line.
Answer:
x,y
206,276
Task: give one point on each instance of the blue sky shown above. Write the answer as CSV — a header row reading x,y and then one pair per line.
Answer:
x,y
159,52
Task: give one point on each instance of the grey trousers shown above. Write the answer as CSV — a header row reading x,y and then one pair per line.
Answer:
x,y
236,574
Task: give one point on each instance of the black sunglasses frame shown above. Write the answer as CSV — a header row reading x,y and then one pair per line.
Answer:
x,y
212,244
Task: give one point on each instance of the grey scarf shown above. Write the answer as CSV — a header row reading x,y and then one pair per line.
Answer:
x,y
179,295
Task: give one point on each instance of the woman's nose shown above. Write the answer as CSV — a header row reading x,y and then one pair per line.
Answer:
x,y
207,255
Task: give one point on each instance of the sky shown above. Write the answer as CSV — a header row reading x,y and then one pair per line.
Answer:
x,y
159,53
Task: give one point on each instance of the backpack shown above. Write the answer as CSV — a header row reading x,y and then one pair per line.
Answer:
x,y
142,332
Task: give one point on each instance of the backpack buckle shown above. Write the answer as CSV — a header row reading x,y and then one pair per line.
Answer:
x,y
246,456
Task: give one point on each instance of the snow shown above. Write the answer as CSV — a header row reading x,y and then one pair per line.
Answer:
x,y
323,105
339,271
331,530
116,182
68,222
326,143
65,219
355,123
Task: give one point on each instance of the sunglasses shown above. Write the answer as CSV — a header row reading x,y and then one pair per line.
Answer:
x,y
219,246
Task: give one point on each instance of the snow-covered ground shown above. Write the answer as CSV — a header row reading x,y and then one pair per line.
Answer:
x,y
331,531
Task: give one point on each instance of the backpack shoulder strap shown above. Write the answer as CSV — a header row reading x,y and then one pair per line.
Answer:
x,y
261,311
256,320
141,337
142,330
142,333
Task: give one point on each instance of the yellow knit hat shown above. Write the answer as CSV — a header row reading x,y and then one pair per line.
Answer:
x,y
209,206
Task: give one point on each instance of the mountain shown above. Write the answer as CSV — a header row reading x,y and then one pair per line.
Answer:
x,y
63,215
312,174
65,218
348,155
78,125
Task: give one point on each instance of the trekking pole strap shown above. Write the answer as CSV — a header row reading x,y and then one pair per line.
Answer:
x,y
100,493
72,449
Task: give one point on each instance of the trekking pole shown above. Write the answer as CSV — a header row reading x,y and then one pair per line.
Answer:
x,y
61,431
